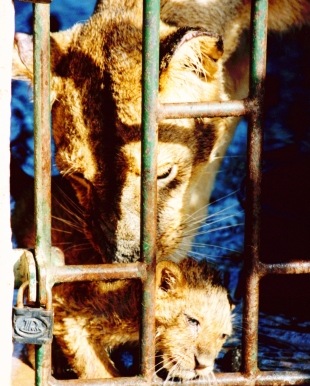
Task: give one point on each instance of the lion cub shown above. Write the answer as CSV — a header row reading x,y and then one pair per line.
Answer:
x,y
193,320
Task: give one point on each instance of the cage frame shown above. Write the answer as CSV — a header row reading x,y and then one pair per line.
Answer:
x,y
48,274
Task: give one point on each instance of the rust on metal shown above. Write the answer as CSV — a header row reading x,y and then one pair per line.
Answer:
x,y
274,378
74,273
297,268
42,168
132,381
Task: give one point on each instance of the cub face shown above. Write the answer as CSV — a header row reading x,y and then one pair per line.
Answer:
x,y
96,117
193,319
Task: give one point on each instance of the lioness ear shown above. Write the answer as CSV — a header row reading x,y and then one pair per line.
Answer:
x,y
189,56
22,66
169,277
196,49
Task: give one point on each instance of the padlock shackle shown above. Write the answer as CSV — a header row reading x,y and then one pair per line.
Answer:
x,y
20,296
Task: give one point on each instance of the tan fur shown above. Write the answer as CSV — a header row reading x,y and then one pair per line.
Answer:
x,y
193,320
230,17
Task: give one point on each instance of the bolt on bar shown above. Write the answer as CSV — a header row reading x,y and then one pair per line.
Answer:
x,y
42,166
149,138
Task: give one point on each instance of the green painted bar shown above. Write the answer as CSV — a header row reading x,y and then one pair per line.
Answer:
x,y
151,10
42,166
252,219
42,141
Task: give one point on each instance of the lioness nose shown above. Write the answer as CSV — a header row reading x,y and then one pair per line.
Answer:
x,y
202,362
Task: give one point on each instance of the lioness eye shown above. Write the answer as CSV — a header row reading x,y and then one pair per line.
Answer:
x,y
192,321
224,336
165,174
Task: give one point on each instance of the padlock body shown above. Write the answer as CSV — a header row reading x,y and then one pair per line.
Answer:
x,y
32,325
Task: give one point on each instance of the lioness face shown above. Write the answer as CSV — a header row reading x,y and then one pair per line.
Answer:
x,y
96,114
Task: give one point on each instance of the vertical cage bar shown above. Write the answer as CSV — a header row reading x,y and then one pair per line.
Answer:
x,y
149,134
42,166
42,141
252,233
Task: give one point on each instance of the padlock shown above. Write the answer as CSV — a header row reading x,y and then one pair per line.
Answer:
x,y
32,325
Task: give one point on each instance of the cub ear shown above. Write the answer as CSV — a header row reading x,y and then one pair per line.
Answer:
x,y
22,66
189,55
169,277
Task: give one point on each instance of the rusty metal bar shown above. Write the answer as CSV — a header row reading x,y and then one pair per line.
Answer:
x,y
297,268
42,165
75,273
204,109
132,381
274,378
149,138
259,14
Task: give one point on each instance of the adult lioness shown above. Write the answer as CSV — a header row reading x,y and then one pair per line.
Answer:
x,y
96,92
96,89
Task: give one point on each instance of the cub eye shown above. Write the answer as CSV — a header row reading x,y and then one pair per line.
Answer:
x,y
224,336
192,321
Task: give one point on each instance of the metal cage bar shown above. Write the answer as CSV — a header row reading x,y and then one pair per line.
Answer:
x,y
149,133
252,220
42,166
153,112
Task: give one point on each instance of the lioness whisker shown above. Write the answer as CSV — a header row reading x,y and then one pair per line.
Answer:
x,y
203,245
219,228
201,231
208,224
205,207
